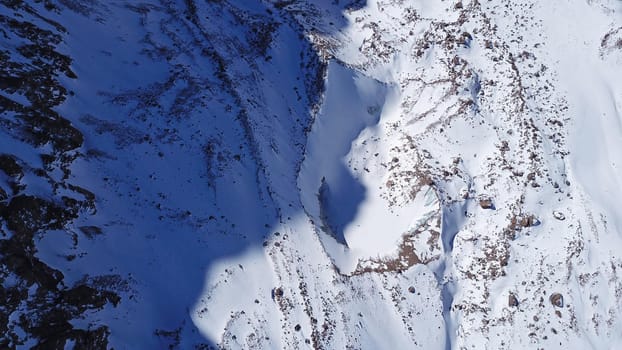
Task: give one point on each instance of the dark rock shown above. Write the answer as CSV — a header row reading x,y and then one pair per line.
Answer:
x,y
411,289
277,292
557,300
90,231
32,270
84,297
9,165
26,214
512,300
486,203
528,221
504,146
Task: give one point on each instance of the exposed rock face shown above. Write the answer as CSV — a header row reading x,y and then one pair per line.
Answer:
x,y
37,304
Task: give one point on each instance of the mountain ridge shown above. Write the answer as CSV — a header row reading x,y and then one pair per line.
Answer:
x,y
310,174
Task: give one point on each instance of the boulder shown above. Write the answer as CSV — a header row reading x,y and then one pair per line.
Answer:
x,y
486,203
512,300
559,215
528,221
557,300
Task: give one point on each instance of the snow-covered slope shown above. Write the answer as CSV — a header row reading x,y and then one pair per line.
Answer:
x,y
379,174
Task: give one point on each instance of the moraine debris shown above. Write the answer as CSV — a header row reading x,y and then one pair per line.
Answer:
x,y
528,221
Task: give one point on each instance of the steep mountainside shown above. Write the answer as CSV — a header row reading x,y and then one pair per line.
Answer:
x,y
379,174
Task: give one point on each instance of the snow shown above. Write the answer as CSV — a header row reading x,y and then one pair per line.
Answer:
x,y
238,201
344,141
